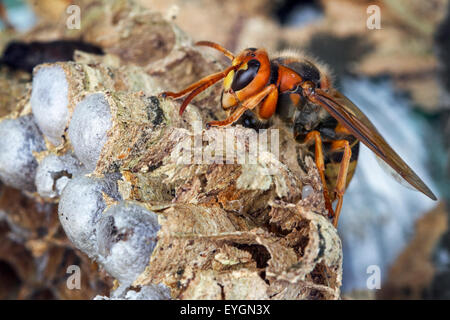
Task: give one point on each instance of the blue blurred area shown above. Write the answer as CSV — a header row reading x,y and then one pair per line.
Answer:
x,y
302,15
379,213
20,14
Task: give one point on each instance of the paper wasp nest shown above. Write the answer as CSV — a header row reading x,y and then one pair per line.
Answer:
x,y
148,194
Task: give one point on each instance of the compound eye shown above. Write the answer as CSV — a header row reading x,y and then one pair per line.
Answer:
x,y
244,76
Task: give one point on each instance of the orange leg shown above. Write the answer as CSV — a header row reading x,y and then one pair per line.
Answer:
x,y
198,87
314,136
268,107
342,176
214,77
248,104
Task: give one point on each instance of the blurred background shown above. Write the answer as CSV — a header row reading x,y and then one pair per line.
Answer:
x,y
397,72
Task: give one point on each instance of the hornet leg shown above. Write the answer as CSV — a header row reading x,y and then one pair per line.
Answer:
x,y
314,136
198,87
248,104
342,176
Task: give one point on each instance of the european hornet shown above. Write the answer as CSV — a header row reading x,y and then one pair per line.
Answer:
x,y
326,123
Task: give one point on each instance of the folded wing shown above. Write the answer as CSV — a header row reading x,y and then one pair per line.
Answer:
x,y
350,116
